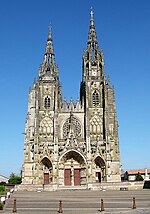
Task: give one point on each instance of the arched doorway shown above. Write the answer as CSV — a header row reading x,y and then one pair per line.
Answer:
x,y
47,170
99,170
72,169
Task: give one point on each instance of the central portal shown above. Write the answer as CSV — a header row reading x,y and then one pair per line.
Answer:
x,y
72,177
76,176
73,167
67,177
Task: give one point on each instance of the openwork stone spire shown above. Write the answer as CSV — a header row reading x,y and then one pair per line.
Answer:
x,y
93,58
48,67
92,34
49,53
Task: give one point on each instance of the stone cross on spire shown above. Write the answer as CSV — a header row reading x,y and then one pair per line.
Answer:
x,y
92,17
50,28
92,13
50,33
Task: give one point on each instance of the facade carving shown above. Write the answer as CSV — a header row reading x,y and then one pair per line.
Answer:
x,y
72,144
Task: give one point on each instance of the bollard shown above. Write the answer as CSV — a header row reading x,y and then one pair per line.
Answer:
x,y
14,208
102,205
134,205
60,207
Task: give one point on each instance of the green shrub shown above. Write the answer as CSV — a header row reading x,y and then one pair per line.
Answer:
x,y
1,206
14,180
2,183
139,177
2,188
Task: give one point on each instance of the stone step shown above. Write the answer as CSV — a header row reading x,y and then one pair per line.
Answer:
x,y
78,202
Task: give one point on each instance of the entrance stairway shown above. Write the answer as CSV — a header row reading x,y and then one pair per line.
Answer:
x,y
79,202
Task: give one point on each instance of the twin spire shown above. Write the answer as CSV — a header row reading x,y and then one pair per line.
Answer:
x,y
49,53
49,60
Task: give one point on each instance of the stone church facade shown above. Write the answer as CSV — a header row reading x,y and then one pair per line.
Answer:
x,y
72,144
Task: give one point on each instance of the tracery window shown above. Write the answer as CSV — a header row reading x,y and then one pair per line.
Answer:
x,y
47,102
96,125
75,124
46,126
95,97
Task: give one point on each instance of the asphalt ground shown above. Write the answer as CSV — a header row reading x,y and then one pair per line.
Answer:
x,y
80,201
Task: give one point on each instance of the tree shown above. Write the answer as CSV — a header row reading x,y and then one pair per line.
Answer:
x,y
139,177
14,179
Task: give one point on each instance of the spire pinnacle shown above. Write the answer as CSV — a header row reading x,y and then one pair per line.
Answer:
x,y
92,39
91,17
50,28
49,46
92,33
49,60
91,13
49,33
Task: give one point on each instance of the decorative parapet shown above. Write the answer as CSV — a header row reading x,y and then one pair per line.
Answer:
x,y
72,107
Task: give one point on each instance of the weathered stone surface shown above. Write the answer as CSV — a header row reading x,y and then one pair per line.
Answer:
x,y
72,143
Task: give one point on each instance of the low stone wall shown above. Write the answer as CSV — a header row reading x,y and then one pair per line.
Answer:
x,y
92,186
28,187
117,186
32,187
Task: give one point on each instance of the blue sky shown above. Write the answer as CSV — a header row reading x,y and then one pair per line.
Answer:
x,y
123,32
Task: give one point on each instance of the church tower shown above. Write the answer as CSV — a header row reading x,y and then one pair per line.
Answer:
x,y
75,143
41,131
101,126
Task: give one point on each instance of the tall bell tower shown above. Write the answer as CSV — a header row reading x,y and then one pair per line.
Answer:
x,y
101,126
41,130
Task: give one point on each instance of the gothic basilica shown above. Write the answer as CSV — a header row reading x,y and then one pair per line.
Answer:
x,y
71,144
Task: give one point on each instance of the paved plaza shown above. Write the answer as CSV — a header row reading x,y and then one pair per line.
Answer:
x,y
80,201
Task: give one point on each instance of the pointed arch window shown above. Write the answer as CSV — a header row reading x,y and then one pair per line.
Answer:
x,y
95,97
47,102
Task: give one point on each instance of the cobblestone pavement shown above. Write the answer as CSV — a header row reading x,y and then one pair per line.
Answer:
x,y
80,202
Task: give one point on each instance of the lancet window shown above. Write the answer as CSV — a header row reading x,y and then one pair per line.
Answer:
x,y
95,98
47,102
